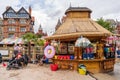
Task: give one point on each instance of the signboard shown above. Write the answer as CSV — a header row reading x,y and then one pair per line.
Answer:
x,y
4,52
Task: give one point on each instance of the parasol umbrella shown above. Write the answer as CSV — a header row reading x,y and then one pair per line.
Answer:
x,y
82,42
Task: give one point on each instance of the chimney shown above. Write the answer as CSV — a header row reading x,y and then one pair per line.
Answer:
x,y
7,7
30,10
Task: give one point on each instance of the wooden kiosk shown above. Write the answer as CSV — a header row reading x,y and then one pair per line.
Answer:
x,y
77,23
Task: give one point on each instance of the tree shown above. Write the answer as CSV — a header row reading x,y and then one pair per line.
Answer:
x,y
105,24
28,38
40,42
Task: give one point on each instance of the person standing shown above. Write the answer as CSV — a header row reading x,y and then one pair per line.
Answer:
x,y
118,54
16,48
20,49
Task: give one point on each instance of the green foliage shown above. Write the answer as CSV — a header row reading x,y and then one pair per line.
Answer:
x,y
28,37
104,24
40,42
39,35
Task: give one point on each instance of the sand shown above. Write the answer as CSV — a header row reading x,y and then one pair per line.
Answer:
x,y
35,72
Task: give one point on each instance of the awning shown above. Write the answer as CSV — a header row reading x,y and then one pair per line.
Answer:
x,y
14,40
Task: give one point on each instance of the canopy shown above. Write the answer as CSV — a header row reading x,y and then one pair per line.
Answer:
x,y
14,40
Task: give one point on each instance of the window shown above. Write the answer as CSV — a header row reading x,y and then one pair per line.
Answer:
x,y
22,21
31,28
11,21
11,28
10,15
10,35
23,29
22,15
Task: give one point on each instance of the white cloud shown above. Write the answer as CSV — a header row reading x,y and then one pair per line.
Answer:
x,y
5,3
47,12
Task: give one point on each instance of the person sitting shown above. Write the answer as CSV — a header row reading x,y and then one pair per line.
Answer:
x,y
19,59
42,60
16,48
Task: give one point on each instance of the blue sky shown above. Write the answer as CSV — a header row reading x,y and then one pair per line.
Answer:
x,y
47,12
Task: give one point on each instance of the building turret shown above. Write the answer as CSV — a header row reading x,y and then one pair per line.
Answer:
x,y
58,24
40,31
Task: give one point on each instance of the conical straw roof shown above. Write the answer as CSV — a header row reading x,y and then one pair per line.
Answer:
x,y
76,27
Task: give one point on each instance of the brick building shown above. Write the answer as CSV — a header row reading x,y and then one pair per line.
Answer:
x,y
1,29
16,23
40,32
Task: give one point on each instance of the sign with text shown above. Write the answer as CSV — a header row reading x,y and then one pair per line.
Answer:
x,y
4,52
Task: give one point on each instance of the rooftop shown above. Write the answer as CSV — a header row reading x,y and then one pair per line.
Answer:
x,y
75,9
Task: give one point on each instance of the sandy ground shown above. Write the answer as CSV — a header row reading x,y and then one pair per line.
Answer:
x,y
35,72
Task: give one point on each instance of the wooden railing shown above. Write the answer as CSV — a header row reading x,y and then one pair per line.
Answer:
x,y
35,50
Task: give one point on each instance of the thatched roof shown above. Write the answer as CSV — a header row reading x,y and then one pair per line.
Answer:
x,y
76,27
77,24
